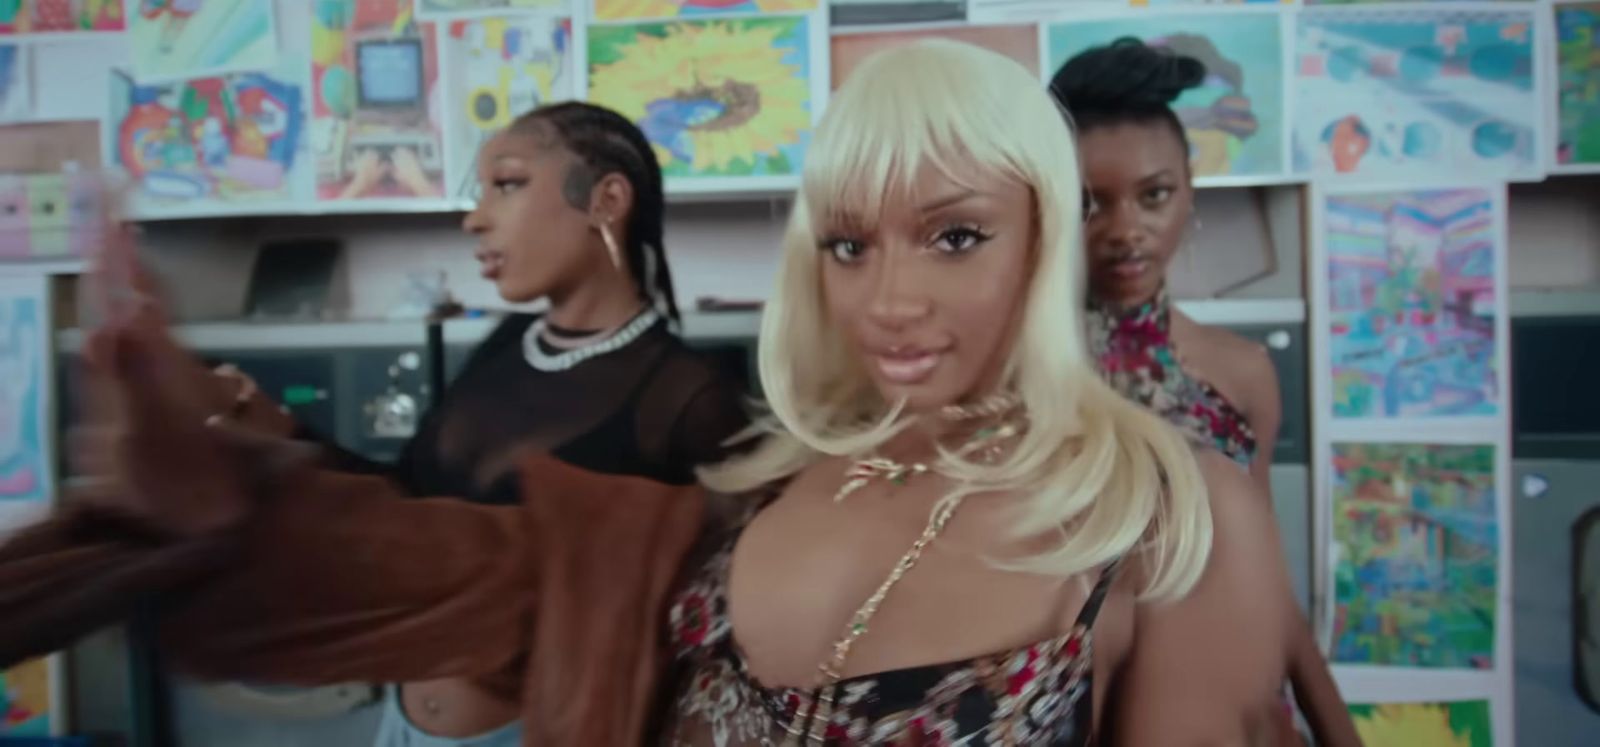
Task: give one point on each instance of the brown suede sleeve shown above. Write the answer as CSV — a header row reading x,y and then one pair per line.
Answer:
x,y
337,579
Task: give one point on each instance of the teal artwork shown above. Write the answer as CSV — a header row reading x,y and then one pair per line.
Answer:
x,y
1235,118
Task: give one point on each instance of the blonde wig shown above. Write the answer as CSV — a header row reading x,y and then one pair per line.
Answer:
x,y
1098,474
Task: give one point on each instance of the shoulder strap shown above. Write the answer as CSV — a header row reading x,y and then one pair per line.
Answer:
x,y
1097,595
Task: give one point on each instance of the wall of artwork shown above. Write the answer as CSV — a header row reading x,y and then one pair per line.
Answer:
x,y
1405,121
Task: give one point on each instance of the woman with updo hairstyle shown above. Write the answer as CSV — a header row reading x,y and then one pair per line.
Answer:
x,y
1217,387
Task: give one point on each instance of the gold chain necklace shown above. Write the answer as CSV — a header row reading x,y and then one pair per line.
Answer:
x,y
831,670
863,471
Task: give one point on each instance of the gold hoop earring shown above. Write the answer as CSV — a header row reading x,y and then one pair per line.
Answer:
x,y
611,245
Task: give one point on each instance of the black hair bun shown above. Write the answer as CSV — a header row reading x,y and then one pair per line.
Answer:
x,y
1126,74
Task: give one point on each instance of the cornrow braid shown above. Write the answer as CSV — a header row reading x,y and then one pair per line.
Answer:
x,y
605,142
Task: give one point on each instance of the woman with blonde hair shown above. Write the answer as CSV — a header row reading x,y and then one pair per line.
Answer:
x,y
952,530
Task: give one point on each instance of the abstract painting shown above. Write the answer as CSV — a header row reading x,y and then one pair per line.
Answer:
x,y
374,79
1396,94
1416,530
1020,43
628,10
1411,294
25,708
200,143
25,389
499,68
1578,86
865,12
726,100
1235,117
16,83
458,8
1456,724
54,17
187,39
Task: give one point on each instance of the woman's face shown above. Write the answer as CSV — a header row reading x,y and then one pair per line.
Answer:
x,y
1138,208
929,297
532,241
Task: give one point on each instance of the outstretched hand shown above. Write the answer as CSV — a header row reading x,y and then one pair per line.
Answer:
x,y
157,443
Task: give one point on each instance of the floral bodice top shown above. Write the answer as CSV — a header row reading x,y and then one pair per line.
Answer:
x,y
1135,353
1038,694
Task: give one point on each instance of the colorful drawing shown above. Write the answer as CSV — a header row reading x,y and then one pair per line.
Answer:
x,y
499,68
1020,43
1416,527
1459,724
187,39
865,12
25,464
22,17
728,98
25,700
1411,291
375,109
1578,81
1391,94
1234,119
1158,3
448,8
627,10
16,83
230,138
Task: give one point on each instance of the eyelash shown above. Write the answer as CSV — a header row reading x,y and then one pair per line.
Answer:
x,y
505,186
956,241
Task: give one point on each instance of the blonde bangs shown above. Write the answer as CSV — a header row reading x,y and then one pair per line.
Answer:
x,y
916,107
1105,476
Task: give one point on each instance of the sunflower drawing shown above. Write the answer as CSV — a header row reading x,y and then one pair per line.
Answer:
x,y
715,98
1423,724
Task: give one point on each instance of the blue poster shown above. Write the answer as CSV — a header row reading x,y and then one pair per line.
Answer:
x,y
1390,94
24,433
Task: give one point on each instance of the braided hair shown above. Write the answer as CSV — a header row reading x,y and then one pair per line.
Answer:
x,y
605,142
1126,81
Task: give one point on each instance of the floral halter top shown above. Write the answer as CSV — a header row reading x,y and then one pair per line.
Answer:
x,y
1135,353
1038,695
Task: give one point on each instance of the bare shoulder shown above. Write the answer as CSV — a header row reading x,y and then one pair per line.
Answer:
x,y
1206,668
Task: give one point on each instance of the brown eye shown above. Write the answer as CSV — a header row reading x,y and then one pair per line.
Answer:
x,y
843,251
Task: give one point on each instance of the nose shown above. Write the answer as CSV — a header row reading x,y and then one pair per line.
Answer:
x,y
475,221
898,300
1122,226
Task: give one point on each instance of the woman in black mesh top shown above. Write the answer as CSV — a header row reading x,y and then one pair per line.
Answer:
x,y
570,211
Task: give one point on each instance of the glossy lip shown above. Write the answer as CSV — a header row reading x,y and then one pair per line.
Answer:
x,y
492,262
907,365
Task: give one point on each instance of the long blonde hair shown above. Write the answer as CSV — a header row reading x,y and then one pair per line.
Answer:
x,y
1094,470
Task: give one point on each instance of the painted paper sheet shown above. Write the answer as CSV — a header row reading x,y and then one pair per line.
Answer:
x,y
498,69
1458,724
25,707
1235,118
49,216
374,102
863,12
57,17
16,83
187,39
1020,43
1411,291
25,463
724,100
457,8
201,143
1578,85
1416,532
1396,94
626,10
